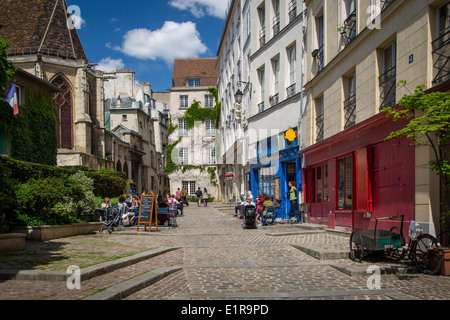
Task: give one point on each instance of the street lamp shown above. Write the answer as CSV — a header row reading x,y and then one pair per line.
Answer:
x,y
238,97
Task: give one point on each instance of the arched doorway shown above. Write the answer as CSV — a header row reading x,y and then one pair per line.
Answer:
x,y
119,166
63,104
125,169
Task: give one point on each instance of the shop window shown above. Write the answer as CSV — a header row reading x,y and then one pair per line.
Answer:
x,y
345,183
317,184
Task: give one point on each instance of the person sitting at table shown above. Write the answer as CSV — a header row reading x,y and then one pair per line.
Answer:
x,y
259,205
105,205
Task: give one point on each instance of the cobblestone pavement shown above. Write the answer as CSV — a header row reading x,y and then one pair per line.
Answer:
x,y
219,260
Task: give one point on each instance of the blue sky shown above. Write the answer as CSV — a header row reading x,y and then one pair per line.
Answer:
x,y
146,36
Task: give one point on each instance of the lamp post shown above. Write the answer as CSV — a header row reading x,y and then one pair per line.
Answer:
x,y
238,97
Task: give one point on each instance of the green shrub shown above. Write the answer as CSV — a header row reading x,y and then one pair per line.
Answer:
x,y
77,206
39,201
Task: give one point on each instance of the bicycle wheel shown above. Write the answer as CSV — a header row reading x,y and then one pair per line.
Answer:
x,y
356,247
427,255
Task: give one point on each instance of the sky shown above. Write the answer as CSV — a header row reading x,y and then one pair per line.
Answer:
x,y
147,35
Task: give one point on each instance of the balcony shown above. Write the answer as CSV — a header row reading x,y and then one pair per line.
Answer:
x,y
291,91
319,57
441,57
261,107
320,127
262,37
275,100
388,85
276,25
350,112
350,24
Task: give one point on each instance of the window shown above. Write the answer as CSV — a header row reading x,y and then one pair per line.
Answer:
x,y
320,119
193,82
351,20
210,127
388,76
211,155
124,118
183,156
209,101
276,75
262,31
262,83
319,52
276,18
182,128
292,57
189,186
345,183
292,10
184,101
350,101
441,52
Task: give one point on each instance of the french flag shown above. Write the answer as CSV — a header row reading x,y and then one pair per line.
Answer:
x,y
11,98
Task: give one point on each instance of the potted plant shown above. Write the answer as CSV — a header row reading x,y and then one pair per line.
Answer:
x,y
342,30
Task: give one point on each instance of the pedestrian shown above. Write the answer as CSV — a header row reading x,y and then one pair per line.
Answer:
x,y
292,195
178,193
184,196
199,194
205,197
132,187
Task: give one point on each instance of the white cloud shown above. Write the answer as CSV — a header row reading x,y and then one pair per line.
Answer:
x,y
108,64
200,8
173,40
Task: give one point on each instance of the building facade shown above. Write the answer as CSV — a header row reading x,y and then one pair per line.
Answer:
x,y
261,56
357,52
44,45
195,153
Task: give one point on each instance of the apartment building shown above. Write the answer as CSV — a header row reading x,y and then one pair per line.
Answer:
x,y
357,51
260,84
195,153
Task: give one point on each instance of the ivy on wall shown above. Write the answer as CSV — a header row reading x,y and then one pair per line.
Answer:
x,y
33,131
195,113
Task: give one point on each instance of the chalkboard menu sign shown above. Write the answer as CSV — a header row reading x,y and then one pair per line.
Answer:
x,y
147,211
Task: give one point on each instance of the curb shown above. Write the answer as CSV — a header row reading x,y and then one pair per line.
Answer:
x,y
323,254
87,273
128,287
356,271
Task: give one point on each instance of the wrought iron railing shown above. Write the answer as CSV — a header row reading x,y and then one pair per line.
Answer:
x,y
276,25
388,85
350,112
42,51
275,100
291,90
320,127
262,37
351,24
385,4
441,57
261,107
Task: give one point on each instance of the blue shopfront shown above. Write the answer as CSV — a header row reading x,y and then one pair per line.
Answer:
x,y
274,169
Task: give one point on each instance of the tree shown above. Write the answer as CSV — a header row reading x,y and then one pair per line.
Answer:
x,y
428,116
7,69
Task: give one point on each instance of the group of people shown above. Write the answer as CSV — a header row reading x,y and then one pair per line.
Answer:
x,y
128,206
261,203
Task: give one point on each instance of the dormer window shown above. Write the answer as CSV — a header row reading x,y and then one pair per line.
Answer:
x,y
195,82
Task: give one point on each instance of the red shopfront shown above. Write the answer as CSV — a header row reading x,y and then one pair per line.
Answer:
x,y
357,176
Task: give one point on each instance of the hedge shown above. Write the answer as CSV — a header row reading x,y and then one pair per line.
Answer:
x,y
107,183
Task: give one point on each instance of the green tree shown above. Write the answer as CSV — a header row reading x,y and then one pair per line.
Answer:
x,y
428,116
7,69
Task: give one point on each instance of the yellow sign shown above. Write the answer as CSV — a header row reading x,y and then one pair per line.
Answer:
x,y
290,135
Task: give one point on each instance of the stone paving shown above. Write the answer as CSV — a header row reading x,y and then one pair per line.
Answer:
x,y
216,259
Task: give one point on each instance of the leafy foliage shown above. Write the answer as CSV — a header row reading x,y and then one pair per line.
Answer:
x,y
7,69
429,124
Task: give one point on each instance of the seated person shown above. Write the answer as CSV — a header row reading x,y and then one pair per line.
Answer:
x,y
162,218
105,205
124,209
239,206
181,203
268,203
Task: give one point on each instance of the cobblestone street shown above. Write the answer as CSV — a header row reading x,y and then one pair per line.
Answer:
x,y
210,256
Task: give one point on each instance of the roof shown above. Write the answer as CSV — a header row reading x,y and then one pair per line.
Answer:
x,y
39,26
194,68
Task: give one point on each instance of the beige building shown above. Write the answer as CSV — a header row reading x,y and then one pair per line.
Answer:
x,y
357,51
196,152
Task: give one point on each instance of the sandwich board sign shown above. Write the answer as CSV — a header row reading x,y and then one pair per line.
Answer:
x,y
147,212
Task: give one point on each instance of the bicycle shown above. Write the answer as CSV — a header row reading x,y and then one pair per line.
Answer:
x,y
423,249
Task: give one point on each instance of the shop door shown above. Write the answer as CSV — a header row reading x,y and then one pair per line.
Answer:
x,y
393,180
